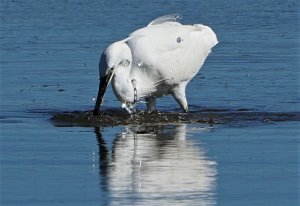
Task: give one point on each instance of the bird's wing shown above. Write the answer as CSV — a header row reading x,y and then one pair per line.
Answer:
x,y
169,51
166,18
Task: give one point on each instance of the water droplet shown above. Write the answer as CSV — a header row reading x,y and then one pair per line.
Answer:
x,y
94,98
171,70
140,64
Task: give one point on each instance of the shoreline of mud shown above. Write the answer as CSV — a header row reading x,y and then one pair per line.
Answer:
x,y
112,118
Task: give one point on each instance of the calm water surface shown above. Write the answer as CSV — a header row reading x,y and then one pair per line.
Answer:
x,y
49,57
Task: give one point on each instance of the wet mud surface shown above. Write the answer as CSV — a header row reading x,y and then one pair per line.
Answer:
x,y
110,118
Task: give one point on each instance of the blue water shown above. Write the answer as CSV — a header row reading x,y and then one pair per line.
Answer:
x,y
49,58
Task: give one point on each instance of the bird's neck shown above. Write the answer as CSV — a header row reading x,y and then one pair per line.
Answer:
x,y
123,86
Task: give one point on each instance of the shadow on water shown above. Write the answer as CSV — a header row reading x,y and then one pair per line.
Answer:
x,y
155,164
115,117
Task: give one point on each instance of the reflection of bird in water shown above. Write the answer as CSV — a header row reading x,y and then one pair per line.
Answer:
x,y
156,165
157,60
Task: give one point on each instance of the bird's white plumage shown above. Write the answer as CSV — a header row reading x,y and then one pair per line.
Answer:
x,y
166,18
159,59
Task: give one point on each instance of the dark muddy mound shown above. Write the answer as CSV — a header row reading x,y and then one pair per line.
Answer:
x,y
210,116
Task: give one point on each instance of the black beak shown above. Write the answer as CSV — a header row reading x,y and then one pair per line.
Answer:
x,y
104,81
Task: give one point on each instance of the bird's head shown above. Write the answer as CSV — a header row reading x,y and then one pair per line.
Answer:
x,y
116,56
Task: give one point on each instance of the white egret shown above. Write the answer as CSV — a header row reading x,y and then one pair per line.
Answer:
x,y
157,60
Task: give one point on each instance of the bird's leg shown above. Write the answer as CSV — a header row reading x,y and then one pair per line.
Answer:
x,y
151,103
179,95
